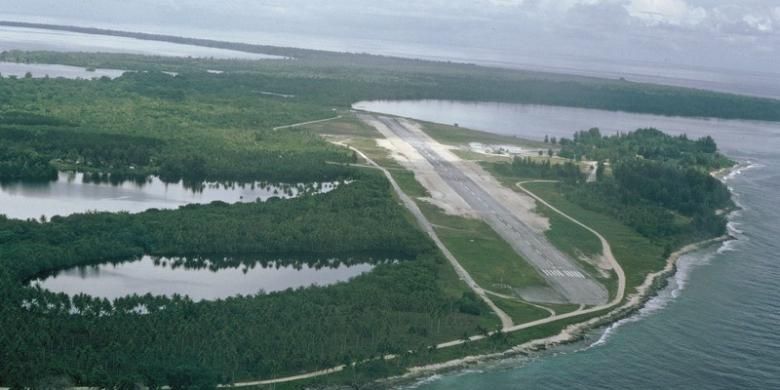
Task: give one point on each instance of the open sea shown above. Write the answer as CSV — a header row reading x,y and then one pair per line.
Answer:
x,y
715,326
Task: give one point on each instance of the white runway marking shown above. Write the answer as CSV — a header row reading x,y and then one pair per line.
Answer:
x,y
563,273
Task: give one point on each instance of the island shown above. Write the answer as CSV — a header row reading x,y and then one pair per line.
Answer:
x,y
479,245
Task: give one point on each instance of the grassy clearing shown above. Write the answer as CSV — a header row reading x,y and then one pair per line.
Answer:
x,y
577,242
476,156
361,375
363,137
348,126
356,133
409,184
562,308
485,255
519,311
637,255
453,135
569,237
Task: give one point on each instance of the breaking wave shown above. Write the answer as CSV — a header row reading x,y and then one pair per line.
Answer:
x,y
687,263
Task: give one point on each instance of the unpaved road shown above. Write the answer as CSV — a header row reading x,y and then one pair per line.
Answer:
x,y
562,273
506,320
606,250
306,123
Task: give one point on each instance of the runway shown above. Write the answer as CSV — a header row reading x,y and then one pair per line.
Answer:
x,y
570,282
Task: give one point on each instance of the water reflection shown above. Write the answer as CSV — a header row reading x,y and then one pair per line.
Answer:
x,y
199,278
21,38
535,121
8,69
74,192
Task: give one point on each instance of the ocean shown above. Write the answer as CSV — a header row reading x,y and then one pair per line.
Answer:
x,y
715,326
717,323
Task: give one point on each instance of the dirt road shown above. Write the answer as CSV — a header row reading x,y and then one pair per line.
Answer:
x,y
466,179
409,203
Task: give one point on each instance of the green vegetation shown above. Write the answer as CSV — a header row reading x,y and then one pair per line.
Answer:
x,y
637,254
394,308
645,144
660,184
340,79
186,127
658,196
455,135
569,237
348,125
490,260
519,311
200,126
529,168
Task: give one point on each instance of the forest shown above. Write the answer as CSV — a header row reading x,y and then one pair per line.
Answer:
x,y
156,124
195,125
528,168
656,183
201,126
400,305
341,79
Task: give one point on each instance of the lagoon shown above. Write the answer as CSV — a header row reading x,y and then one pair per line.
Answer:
x,y
18,38
8,69
715,326
199,280
75,192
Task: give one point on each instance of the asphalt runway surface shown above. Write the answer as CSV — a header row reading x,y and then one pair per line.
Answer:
x,y
566,278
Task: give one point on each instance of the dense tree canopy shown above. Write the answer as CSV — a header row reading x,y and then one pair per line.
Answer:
x,y
341,79
525,167
197,126
656,183
85,340
192,128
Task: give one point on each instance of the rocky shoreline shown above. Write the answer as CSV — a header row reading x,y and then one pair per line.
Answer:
x,y
653,283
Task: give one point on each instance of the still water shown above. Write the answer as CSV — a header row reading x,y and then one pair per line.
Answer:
x,y
536,121
169,276
75,193
52,70
15,38
716,326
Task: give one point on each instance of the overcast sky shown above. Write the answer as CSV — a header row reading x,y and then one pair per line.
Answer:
x,y
737,34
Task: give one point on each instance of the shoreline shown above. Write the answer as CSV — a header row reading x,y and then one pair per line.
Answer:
x,y
633,302
653,283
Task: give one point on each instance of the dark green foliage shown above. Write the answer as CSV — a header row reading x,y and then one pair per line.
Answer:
x,y
655,183
192,127
606,197
310,225
530,169
188,344
23,163
686,190
660,184
342,79
650,144
32,149
469,303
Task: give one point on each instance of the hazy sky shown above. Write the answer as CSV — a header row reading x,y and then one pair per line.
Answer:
x,y
740,34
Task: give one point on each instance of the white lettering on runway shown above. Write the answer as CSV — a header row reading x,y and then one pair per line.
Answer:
x,y
563,273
